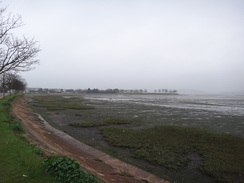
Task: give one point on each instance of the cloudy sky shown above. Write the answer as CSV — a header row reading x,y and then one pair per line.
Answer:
x,y
136,44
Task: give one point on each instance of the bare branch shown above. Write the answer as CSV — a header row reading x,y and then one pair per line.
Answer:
x,y
8,23
15,54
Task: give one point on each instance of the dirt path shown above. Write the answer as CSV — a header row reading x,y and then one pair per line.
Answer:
x,y
53,141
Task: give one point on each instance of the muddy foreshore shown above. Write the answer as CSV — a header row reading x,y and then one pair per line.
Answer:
x,y
216,114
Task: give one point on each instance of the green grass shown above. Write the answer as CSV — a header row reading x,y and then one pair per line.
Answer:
x,y
24,162
220,155
19,161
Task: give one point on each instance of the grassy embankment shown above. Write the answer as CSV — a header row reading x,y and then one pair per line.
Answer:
x,y
23,162
20,162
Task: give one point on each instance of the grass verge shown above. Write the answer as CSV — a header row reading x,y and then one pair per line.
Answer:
x,y
19,160
23,162
178,148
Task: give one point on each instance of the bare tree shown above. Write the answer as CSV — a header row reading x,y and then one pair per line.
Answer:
x,y
15,54
12,81
18,84
8,81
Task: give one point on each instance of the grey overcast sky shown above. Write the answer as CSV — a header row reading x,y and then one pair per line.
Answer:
x,y
135,44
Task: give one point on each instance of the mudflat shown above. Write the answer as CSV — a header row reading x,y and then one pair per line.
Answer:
x,y
144,130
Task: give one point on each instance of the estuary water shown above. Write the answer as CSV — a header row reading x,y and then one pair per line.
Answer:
x,y
219,113
225,104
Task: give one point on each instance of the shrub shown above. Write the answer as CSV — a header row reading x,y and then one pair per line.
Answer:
x,y
16,127
68,170
37,150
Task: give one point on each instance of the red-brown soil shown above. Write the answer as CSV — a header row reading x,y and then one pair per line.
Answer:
x,y
55,142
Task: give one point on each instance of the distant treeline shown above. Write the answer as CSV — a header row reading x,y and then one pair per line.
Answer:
x,y
96,90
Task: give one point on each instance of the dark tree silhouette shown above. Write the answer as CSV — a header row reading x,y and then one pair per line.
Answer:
x,y
18,85
10,81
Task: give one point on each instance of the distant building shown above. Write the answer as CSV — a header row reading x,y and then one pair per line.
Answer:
x,y
45,90
69,91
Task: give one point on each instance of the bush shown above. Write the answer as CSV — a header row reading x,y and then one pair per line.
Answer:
x,y
68,170
17,127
